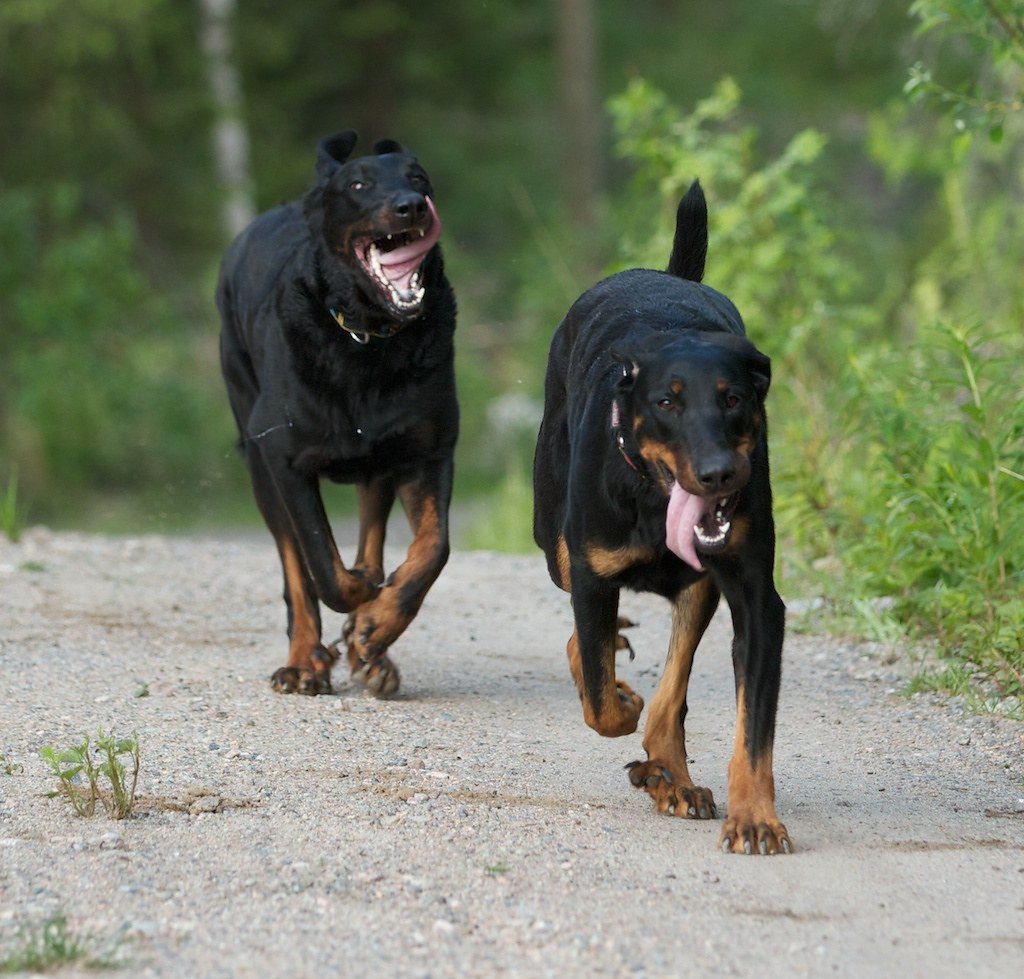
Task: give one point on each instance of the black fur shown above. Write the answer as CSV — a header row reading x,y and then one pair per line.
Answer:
x,y
333,376
651,382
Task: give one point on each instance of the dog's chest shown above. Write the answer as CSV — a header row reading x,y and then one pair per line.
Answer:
x,y
369,431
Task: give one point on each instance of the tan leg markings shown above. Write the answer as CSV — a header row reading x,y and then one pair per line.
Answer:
x,y
562,560
375,501
752,826
665,775
620,705
378,623
308,669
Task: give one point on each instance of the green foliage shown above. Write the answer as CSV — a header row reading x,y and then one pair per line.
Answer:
x,y
11,523
52,947
940,509
773,251
770,248
507,522
79,773
101,386
993,27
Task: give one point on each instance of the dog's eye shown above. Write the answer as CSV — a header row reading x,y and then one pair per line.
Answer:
x,y
665,404
733,400
356,185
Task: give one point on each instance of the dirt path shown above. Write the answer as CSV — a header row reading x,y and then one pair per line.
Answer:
x,y
473,826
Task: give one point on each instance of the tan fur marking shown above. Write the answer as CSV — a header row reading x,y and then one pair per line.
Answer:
x,y
752,817
375,502
305,636
608,562
664,737
620,706
562,561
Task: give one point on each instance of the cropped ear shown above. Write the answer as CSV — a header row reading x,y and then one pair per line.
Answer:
x,y
333,151
388,146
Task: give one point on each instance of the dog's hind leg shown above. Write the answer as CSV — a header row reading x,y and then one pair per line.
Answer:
x,y
752,825
665,775
375,501
374,626
610,706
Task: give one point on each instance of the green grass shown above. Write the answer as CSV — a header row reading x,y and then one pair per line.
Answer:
x,y
52,946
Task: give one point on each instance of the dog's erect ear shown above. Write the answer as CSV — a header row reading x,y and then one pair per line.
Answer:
x,y
760,369
690,246
333,151
630,369
388,146
757,365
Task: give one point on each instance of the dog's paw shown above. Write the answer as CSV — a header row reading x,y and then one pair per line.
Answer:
x,y
746,833
294,679
671,794
380,676
618,715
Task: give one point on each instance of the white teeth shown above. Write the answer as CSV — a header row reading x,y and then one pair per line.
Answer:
x,y
709,539
407,300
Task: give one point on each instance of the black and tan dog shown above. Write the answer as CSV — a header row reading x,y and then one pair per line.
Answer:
x,y
651,473
337,351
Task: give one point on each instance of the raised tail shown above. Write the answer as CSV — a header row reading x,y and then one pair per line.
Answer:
x,y
690,246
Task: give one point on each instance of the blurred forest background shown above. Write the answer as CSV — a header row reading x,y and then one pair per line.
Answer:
x,y
863,160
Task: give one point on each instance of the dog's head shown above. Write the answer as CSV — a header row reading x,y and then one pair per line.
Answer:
x,y
376,215
695,404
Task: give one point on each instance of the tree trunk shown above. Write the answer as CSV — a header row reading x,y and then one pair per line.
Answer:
x,y
583,162
230,135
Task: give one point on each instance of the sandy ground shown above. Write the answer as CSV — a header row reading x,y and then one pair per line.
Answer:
x,y
473,826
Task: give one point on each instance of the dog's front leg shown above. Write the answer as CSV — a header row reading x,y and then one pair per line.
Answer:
x,y
665,776
610,706
758,614
377,624
340,589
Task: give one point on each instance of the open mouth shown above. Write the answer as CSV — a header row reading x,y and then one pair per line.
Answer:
x,y
394,263
697,523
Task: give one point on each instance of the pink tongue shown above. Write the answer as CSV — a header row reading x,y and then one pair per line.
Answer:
x,y
684,512
402,262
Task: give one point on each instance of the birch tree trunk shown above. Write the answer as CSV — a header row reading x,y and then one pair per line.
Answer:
x,y
230,135
583,163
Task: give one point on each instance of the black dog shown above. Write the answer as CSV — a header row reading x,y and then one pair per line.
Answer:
x,y
651,473
337,352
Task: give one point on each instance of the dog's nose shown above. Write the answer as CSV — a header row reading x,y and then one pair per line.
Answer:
x,y
410,206
717,476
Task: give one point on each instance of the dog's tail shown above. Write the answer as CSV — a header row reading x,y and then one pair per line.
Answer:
x,y
690,246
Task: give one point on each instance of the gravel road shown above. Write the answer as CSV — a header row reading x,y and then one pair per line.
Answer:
x,y
473,826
